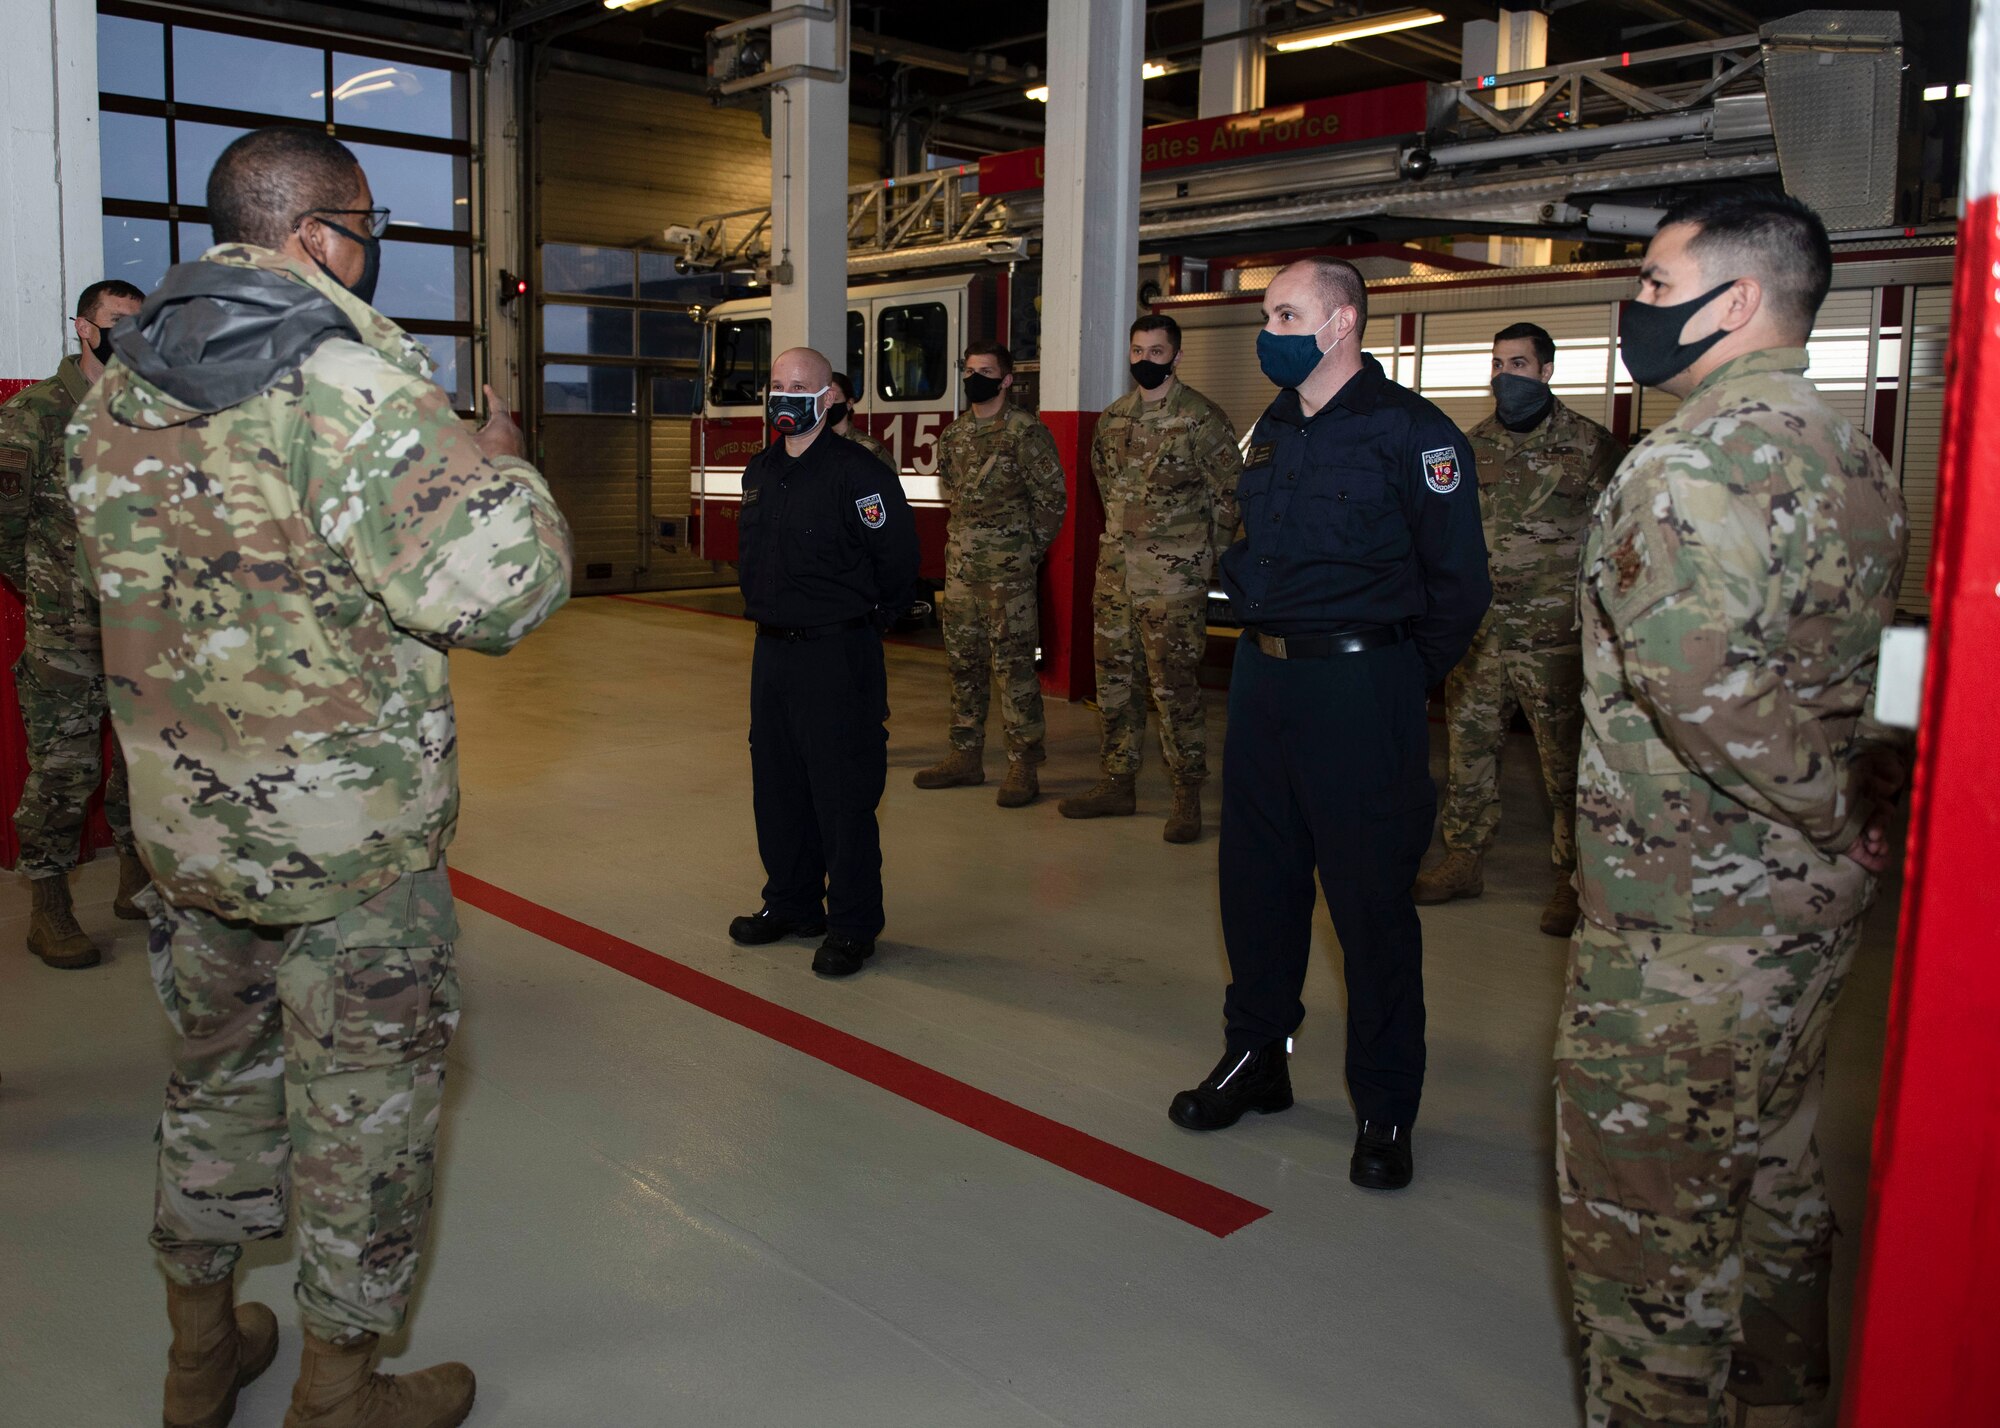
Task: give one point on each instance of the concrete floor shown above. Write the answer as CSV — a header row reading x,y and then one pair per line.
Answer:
x,y
649,1215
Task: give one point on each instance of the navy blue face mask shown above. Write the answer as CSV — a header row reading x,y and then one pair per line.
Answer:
x,y
1291,358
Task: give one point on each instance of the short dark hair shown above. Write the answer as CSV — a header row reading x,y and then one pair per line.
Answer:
x,y
1545,345
996,351
1771,237
1341,284
1158,322
845,383
270,178
90,297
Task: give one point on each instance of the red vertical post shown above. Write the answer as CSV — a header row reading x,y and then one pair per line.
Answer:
x,y
1926,1315
1069,668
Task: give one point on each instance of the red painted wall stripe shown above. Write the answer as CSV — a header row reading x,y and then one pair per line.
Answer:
x,y
1168,1191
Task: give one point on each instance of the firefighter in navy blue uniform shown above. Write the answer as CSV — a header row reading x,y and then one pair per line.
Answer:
x,y
826,554
1360,577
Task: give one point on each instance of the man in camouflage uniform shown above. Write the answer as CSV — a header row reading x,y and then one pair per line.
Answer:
x,y
59,676
1541,470
842,423
1003,484
1166,463
288,528
1732,801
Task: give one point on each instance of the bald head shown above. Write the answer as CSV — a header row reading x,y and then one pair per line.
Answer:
x,y
800,369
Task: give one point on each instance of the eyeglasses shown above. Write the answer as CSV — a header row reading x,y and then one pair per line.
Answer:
x,y
375,220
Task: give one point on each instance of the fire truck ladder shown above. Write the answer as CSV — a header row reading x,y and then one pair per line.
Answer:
x,y
1503,149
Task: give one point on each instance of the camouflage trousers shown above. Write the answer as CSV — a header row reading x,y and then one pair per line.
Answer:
x,y
62,710
990,634
1480,698
311,1066
1695,1222
1150,644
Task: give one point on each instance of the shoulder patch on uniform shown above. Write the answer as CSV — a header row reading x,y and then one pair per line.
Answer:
x,y
1261,453
874,514
13,459
1441,471
1628,562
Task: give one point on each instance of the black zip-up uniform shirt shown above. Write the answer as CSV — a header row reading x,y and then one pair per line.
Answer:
x,y
822,538
1364,514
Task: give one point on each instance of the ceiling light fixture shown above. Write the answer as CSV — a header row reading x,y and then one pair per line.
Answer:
x,y
628,4
1359,28
1151,69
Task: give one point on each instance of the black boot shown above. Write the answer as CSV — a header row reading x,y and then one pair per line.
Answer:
x,y
1241,1081
841,955
769,926
1381,1157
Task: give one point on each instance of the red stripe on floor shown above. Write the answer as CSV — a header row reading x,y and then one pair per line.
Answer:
x,y
1182,1196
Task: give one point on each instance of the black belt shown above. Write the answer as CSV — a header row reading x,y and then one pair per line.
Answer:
x,y
1375,637
813,632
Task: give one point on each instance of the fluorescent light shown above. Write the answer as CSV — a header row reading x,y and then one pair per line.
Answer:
x,y
1962,91
1357,29
1936,92
628,4
1149,70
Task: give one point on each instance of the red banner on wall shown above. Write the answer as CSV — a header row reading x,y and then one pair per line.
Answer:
x,y
1315,124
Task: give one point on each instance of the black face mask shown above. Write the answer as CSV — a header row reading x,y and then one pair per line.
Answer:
x,y
980,387
1520,402
836,414
1150,374
101,349
1649,338
371,263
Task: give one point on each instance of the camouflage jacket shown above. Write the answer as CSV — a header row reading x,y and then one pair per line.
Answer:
x,y
1734,587
873,447
37,525
1003,483
1536,492
1167,473
280,581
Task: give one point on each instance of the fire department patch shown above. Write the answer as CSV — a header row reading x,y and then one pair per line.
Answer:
x,y
873,513
1441,470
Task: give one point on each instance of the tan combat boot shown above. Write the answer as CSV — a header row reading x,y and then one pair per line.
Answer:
x,y
1184,823
959,767
1457,876
1112,796
1560,917
339,1388
218,1347
53,934
1022,785
132,880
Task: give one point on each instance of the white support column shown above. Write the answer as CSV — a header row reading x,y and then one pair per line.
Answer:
x,y
52,217
1232,73
809,191
1090,225
1090,260
1518,40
